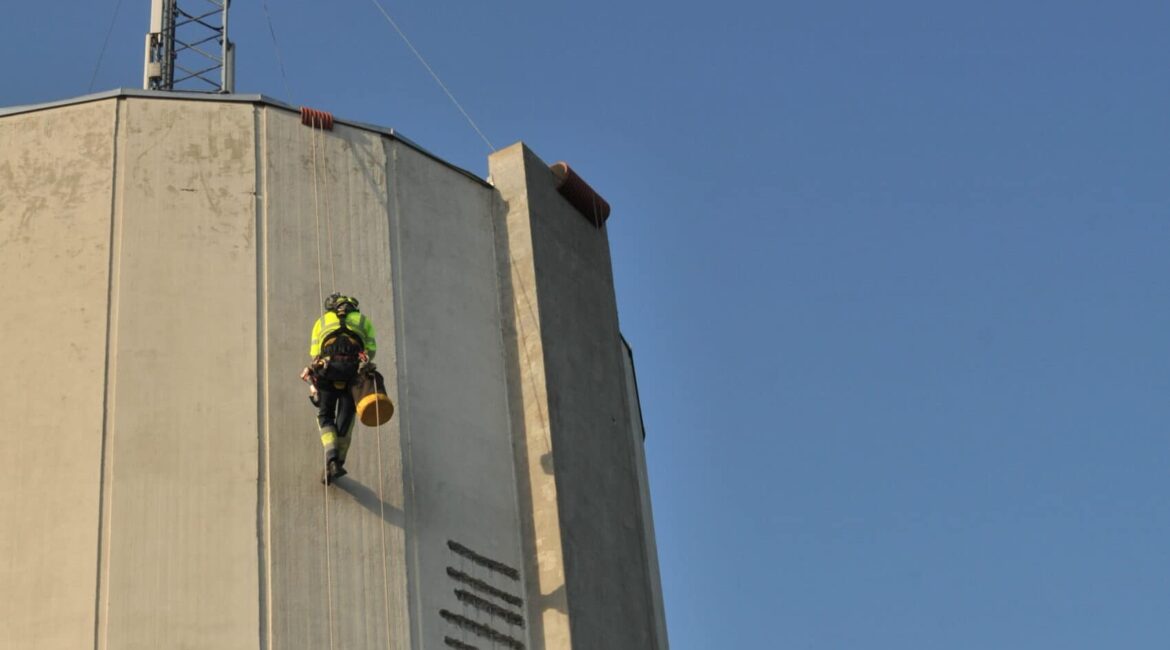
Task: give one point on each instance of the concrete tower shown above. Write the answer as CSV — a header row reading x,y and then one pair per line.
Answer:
x,y
164,256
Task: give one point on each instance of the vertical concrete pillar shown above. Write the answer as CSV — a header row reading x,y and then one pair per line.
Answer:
x,y
580,501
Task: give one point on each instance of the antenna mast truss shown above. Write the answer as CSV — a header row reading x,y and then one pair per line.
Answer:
x,y
188,47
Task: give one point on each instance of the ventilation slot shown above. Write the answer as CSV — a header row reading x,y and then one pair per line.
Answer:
x,y
483,587
489,607
498,567
487,614
480,629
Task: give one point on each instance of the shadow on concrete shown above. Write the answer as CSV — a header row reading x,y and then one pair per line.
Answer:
x,y
369,500
368,173
555,599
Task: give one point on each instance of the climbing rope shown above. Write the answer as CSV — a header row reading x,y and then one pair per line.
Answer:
x,y
106,43
315,126
382,515
325,191
317,215
433,74
318,121
279,59
328,562
418,55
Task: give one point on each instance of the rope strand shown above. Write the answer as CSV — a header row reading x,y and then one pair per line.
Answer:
x,y
321,298
97,66
279,59
382,515
321,178
434,76
328,562
317,214
328,220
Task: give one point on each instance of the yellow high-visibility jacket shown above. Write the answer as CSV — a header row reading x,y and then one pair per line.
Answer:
x,y
355,322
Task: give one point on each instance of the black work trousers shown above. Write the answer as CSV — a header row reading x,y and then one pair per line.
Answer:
x,y
335,415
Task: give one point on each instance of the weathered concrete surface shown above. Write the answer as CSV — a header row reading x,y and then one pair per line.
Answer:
x,y
56,171
454,388
179,563
325,226
181,248
579,450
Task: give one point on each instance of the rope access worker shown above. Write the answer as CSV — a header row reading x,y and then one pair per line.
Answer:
x,y
342,346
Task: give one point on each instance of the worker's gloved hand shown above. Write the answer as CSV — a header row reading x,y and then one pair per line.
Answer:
x,y
365,366
306,375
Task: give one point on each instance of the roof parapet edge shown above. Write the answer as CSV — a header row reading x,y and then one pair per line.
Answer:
x,y
235,98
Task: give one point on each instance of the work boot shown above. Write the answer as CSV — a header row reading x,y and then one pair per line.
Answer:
x,y
333,471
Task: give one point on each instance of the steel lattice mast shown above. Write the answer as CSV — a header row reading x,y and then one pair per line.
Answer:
x,y
188,47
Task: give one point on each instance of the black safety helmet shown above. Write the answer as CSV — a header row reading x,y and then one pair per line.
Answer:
x,y
336,300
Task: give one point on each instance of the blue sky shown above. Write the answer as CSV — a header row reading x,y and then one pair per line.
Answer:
x,y
895,275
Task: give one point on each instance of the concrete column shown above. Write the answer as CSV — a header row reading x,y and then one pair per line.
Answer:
x,y
579,487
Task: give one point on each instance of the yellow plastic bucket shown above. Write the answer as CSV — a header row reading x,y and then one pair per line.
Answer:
x,y
374,407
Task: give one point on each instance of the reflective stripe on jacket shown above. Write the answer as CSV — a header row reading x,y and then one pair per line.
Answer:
x,y
355,322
